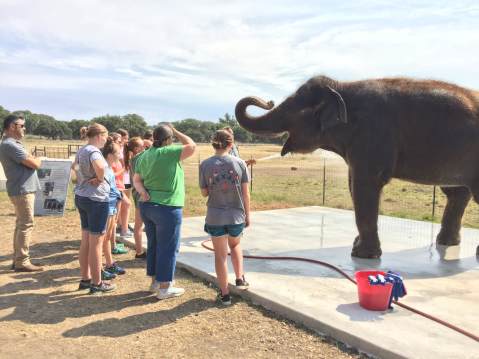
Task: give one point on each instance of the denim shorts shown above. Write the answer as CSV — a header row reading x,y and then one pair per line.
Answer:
x,y
112,208
232,230
93,214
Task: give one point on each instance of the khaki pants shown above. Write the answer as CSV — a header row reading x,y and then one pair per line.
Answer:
x,y
23,228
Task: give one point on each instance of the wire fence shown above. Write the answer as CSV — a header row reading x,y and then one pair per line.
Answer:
x,y
323,180
320,179
55,151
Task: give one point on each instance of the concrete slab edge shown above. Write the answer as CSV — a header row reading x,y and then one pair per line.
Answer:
x,y
363,346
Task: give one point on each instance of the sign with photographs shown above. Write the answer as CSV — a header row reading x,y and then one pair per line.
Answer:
x,y
54,176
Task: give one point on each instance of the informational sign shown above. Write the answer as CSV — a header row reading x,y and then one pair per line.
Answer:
x,y
54,176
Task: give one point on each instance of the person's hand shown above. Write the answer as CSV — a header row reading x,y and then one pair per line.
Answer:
x,y
247,222
144,196
168,124
94,182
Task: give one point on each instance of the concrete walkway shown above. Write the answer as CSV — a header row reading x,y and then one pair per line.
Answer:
x,y
441,281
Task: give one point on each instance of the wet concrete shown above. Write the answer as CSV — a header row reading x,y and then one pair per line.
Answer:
x,y
441,281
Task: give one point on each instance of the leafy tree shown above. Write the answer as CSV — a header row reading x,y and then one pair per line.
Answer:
x,y
135,124
112,123
62,131
3,114
75,126
228,121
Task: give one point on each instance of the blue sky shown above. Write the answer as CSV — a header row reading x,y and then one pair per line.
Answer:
x,y
196,59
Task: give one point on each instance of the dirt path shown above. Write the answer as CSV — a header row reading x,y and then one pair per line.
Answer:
x,y
43,315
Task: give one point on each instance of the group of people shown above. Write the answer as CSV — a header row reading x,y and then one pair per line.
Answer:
x,y
112,173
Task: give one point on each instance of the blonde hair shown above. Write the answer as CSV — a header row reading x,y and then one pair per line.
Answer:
x,y
93,130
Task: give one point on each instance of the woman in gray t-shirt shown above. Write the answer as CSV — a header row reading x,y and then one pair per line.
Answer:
x,y
91,199
224,180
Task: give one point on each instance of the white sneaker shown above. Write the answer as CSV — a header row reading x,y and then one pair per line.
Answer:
x,y
128,234
154,286
170,292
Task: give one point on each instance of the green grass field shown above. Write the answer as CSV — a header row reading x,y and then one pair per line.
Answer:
x,y
297,181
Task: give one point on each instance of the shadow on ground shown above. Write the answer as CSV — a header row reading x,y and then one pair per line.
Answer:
x,y
113,327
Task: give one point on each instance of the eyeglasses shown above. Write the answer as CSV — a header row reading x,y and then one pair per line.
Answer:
x,y
21,125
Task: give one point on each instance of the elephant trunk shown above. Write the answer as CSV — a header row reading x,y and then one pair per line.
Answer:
x,y
271,123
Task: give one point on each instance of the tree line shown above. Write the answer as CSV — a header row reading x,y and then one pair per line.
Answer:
x,y
200,131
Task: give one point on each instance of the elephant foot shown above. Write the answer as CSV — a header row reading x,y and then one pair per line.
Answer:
x,y
369,248
448,239
477,251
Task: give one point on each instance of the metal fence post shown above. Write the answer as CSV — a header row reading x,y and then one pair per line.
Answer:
x,y
251,174
324,181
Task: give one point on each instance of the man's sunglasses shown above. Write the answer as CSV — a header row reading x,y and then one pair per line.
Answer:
x,y
21,125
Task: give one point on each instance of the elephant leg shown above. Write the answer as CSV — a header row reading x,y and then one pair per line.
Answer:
x,y
350,185
457,200
366,194
475,194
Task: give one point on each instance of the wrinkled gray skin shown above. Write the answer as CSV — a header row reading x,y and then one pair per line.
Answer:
x,y
421,131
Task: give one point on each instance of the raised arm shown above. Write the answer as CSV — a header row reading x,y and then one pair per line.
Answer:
x,y
189,145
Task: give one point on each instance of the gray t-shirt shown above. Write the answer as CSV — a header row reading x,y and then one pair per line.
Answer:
x,y
21,179
85,172
223,176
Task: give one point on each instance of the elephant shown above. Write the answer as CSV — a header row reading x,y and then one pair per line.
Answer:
x,y
424,131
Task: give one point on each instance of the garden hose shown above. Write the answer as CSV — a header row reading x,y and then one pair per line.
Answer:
x,y
345,275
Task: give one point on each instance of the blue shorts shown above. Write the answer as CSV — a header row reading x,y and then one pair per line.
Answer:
x,y
112,208
232,230
93,214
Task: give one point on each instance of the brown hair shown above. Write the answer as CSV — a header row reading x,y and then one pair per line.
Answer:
x,y
93,130
122,132
133,143
221,139
115,136
109,147
148,135
161,134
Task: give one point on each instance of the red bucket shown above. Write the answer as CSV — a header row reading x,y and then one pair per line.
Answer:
x,y
372,297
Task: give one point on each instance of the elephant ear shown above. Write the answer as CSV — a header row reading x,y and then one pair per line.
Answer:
x,y
331,111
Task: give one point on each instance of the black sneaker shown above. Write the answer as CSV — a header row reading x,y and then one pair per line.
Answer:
x,y
224,299
115,269
84,284
241,283
141,256
103,287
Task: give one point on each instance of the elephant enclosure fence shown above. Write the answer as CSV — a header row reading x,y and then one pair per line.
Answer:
x,y
321,179
318,179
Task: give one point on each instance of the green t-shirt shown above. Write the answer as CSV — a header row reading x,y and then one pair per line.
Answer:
x,y
162,175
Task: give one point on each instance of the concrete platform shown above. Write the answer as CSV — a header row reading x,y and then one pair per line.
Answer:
x,y
441,281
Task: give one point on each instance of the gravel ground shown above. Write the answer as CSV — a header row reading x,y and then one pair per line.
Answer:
x,y
44,315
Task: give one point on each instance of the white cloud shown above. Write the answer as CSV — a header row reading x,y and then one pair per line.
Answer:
x,y
213,52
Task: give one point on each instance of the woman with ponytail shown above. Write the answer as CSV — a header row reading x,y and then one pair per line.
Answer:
x,y
224,180
159,179
91,199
